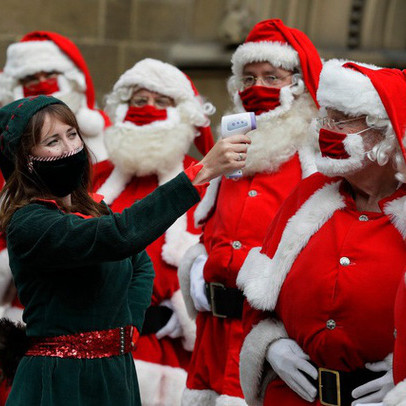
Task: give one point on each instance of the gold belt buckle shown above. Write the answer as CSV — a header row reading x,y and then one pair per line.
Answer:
x,y
212,302
337,375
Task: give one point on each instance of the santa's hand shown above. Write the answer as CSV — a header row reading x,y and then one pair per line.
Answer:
x,y
289,361
172,328
371,404
375,390
198,285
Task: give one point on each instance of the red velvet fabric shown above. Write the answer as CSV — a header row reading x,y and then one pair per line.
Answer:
x,y
260,99
331,144
145,115
399,354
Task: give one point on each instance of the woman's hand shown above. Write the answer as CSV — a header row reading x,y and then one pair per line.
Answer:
x,y
227,155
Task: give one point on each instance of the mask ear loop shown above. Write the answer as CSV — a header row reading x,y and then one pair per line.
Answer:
x,y
30,164
297,86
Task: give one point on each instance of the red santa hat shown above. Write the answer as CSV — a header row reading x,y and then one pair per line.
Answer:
x,y
166,79
390,86
284,47
49,51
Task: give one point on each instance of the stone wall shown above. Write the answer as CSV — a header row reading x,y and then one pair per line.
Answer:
x,y
199,35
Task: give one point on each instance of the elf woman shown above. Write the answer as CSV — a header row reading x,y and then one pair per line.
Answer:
x,y
81,272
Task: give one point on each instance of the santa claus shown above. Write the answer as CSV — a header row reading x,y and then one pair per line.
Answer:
x,y
157,115
44,62
325,279
275,76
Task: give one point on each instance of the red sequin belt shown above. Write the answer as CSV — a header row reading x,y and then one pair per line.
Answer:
x,y
92,344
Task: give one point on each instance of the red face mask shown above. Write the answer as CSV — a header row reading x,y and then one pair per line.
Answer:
x,y
46,87
145,115
331,144
260,99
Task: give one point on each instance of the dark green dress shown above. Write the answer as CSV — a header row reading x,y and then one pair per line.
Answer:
x,y
76,274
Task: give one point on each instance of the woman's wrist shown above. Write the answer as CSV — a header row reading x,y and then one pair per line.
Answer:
x,y
197,175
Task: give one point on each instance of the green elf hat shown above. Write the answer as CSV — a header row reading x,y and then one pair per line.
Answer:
x,y
14,118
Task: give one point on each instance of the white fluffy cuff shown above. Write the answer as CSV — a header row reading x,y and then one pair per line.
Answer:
x,y
184,276
253,377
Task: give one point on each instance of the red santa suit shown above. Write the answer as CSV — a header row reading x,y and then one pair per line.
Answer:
x,y
235,213
336,319
327,274
146,153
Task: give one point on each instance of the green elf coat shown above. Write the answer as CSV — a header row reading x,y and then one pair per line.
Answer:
x,y
76,274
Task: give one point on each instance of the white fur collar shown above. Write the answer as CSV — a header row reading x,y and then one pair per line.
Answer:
x,y
396,211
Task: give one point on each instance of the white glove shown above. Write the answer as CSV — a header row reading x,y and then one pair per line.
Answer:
x,y
375,390
172,328
197,285
288,360
371,404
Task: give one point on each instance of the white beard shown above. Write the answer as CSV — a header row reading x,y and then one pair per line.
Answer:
x,y
279,136
357,160
70,94
156,148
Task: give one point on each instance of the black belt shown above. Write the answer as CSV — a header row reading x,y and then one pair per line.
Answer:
x,y
335,387
156,317
225,302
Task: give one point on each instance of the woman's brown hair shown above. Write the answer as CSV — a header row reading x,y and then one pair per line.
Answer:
x,y
22,187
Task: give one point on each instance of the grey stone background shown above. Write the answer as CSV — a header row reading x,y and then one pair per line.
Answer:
x,y
199,36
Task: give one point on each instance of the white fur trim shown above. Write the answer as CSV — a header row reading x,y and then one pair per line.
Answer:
x,y
91,122
395,210
188,325
348,91
397,396
5,272
278,54
114,185
261,277
252,358
27,58
184,276
205,397
225,400
208,201
159,77
160,385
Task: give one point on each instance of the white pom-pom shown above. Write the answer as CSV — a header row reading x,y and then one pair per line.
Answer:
x,y
91,122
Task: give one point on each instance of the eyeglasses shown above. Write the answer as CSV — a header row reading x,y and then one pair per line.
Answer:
x,y
268,80
161,102
331,123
